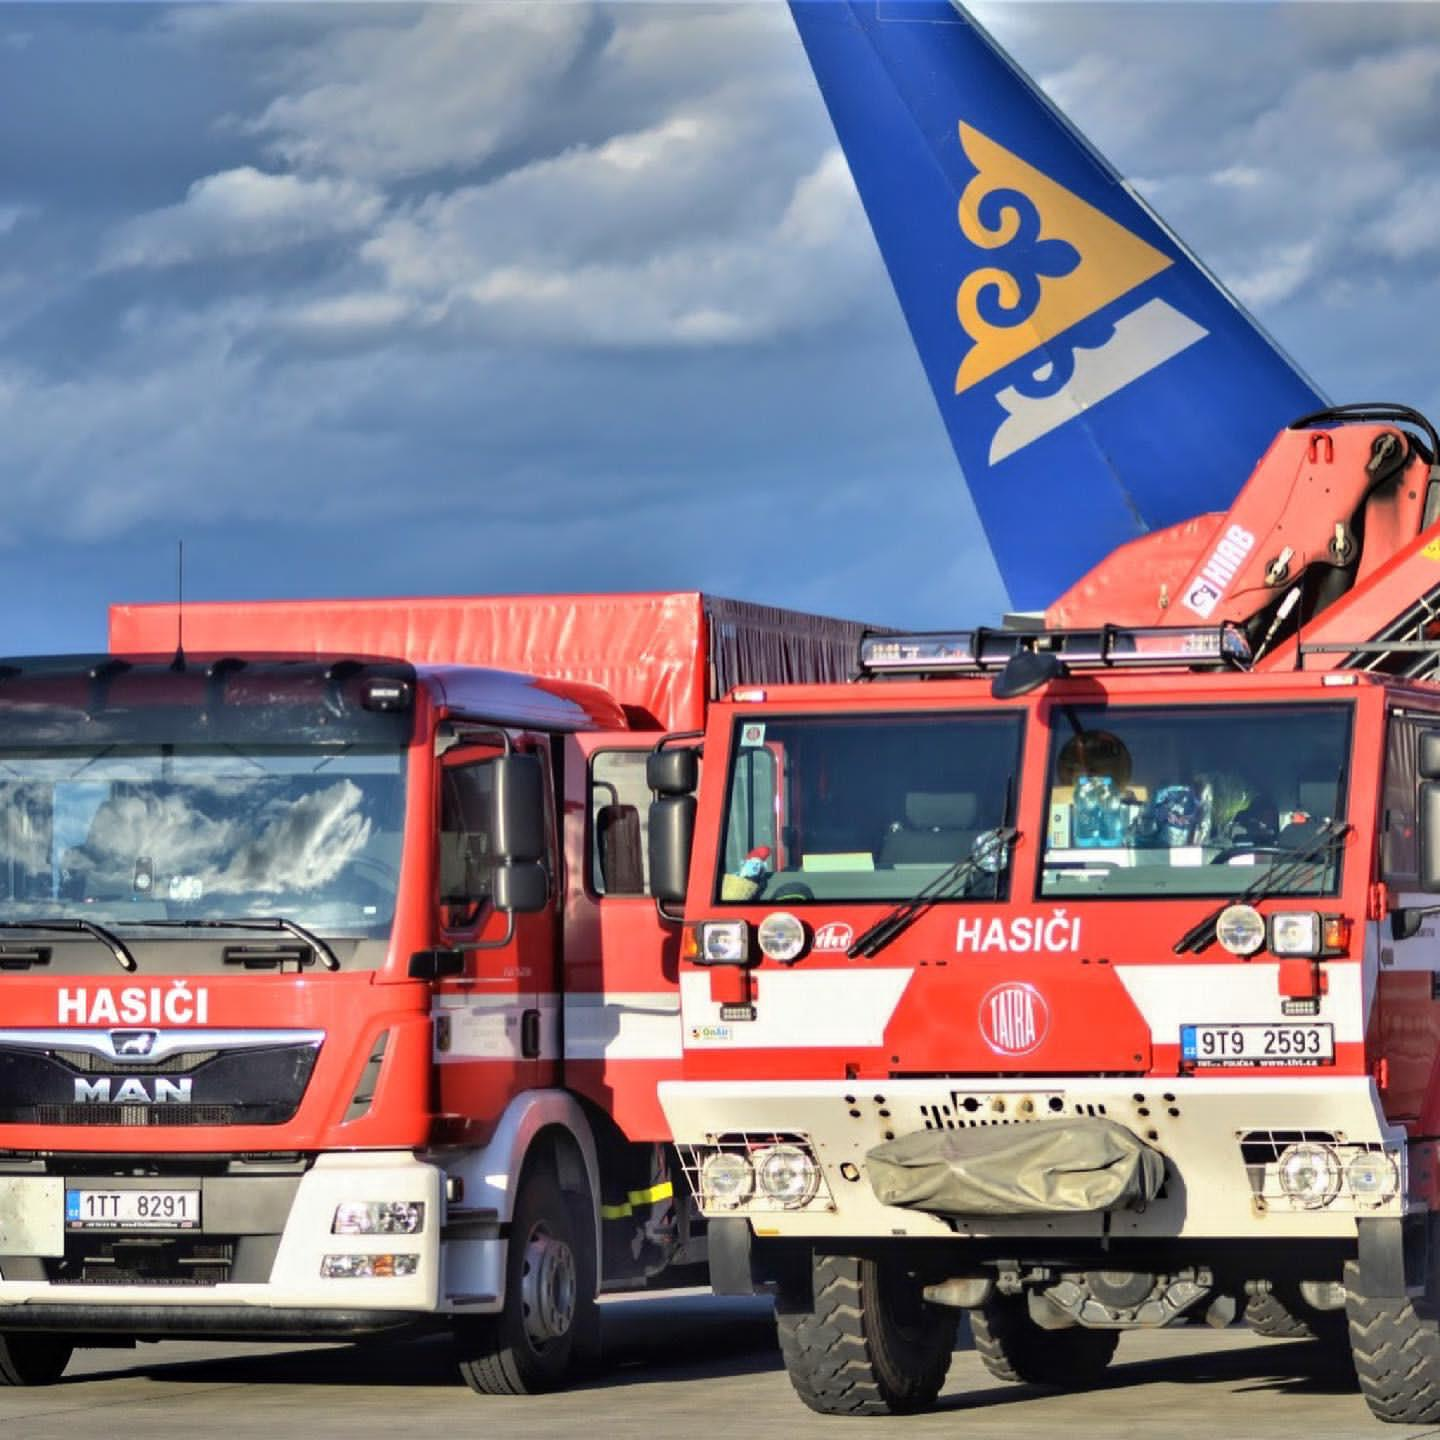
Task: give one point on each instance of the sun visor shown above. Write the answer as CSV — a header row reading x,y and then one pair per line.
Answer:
x,y
1043,1167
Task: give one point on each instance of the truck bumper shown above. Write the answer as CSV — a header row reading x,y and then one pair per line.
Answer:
x,y
276,1235
1220,1137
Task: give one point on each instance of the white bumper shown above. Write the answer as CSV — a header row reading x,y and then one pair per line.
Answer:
x,y
32,1227
1197,1124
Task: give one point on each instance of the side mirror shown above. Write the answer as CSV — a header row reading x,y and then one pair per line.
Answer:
x,y
521,888
673,772
672,836
519,801
1428,825
1429,765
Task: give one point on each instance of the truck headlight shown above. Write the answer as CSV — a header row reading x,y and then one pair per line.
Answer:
x,y
785,1173
726,1179
1310,1175
1240,929
1372,1177
378,1217
1294,933
368,1267
781,937
723,942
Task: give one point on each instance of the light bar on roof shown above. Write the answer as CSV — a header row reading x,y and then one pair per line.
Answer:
x,y
1113,646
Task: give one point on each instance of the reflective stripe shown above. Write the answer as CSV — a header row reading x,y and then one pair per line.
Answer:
x,y
664,1191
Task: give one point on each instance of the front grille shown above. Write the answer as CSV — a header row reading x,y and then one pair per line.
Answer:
x,y
93,1064
130,1115
184,1260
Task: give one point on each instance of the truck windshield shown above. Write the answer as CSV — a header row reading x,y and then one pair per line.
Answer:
x,y
828,808
120,833
1191,801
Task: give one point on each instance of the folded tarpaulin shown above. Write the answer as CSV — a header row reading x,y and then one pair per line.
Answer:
x,y
1042,1167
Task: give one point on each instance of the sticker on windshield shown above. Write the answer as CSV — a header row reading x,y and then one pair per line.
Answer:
x,y
752,734
186,887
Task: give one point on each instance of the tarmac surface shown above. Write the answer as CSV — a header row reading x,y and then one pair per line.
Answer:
x,y
676,1367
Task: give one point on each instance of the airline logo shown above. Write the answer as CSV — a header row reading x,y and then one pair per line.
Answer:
x,y
1057,261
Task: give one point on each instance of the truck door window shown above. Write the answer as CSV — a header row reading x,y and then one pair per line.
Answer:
x,y
865,807
1399,849
1190,800
619,823
466,852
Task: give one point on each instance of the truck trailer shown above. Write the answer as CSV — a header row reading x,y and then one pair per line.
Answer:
x,y
1082,975
334,1000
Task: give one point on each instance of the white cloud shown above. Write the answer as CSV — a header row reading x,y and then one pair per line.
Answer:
x,y
12,215
244,212
382,101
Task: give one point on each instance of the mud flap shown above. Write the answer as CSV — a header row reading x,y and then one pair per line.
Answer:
x,y
1043,1167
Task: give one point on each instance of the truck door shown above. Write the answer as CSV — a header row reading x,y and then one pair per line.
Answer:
x,y
497,1021
621,965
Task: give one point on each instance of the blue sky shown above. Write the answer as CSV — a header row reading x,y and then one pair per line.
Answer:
x,y
396,299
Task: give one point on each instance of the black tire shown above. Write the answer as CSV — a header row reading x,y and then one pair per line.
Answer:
x,y
1285,1316
1397,1357
864,1342
528,1347
1013,1347
33,1359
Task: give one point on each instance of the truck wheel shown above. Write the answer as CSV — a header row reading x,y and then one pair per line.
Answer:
x,y
1013,1347
1397,1358
866,1343
1285,1316
33,1359
549,1293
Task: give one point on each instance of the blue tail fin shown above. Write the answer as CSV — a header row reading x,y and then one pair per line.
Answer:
x,y
1095,379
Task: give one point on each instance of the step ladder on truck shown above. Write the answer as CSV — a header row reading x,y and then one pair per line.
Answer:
x,y
334,1001
1089,978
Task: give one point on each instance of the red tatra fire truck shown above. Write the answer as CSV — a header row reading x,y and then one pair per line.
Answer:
x,y
1083,975
333,1000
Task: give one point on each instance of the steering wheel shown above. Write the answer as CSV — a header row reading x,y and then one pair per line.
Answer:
x,y
1230,851
790,890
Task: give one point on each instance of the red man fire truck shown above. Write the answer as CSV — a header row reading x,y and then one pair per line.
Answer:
x,y
333,998
1083,975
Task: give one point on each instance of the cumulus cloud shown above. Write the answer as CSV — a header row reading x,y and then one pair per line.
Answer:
x,y
244,211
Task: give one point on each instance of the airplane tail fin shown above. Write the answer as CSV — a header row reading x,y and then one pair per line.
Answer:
x,y
1095,380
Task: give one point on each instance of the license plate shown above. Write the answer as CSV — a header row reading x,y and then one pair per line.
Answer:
x,y
1283,1043
132,1209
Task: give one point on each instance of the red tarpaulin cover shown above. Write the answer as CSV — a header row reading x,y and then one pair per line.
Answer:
x,y
660,655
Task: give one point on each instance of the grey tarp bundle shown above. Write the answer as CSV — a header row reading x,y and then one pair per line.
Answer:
x,y
1041,1167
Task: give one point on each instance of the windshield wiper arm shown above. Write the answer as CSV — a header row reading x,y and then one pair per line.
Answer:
x,y
899,919
328,957
1277,875
111,941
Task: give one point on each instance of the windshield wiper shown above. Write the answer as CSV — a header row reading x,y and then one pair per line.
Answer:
x,y
111,941
993,843
328,957
1276,877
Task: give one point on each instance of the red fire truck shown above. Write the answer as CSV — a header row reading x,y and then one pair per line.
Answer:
x,y
333,998
1083,975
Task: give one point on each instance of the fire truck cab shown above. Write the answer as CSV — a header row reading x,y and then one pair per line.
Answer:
x,y
1083,981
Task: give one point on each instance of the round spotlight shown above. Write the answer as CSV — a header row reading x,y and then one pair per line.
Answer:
x,y
1310,1175
788,1175
726,1179
1240,929
1372,1177
781,936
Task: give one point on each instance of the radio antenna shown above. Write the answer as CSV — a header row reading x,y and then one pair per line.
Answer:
x,y
178,663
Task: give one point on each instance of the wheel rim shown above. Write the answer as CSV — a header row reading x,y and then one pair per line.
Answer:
x,y
548,1286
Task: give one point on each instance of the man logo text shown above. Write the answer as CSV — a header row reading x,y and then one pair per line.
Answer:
x,y
131,1090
